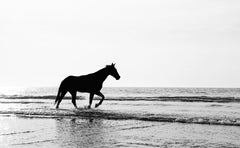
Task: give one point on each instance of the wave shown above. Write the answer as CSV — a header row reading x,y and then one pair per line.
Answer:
x,y
114,115
132,98
21,102
16,133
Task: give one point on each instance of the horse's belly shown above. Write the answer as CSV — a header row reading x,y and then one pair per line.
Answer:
x,y
83,84
88,88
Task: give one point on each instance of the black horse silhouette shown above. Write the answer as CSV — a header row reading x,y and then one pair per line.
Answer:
x,y
91,83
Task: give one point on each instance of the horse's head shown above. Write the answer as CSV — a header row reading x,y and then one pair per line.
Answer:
x,y
113,71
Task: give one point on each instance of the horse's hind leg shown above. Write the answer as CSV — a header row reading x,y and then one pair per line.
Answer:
x,y
60,98
100,102
90,99
74,94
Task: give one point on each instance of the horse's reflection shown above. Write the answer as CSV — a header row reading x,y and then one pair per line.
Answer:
x,y
81,132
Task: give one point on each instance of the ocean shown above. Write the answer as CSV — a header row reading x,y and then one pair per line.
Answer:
x,y
128,117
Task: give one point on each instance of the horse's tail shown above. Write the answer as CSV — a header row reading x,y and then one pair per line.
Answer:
x,y
58,95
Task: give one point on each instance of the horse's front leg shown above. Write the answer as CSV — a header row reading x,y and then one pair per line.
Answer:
x,y
100,102
90,99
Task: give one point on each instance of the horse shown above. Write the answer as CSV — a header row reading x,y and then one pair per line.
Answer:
x,y
91,83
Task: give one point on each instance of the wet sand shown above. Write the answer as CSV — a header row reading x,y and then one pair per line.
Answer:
x,y
25,132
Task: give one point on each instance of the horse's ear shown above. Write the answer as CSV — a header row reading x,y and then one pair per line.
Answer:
x,y
113,64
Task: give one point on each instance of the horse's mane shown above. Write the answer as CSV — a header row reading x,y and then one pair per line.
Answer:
x,y
99,71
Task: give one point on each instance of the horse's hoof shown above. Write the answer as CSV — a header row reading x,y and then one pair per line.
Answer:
x,y
89,107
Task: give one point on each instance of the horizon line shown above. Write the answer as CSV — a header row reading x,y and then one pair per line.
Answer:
x,y
41,86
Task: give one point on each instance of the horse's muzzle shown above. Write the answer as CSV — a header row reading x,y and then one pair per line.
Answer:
x,y
118,78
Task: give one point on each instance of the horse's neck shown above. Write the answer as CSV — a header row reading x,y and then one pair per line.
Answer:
x,y
102,74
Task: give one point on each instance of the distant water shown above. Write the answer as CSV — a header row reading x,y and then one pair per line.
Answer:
x,y
136,92
181,110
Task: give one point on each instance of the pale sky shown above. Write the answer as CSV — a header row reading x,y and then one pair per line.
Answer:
x,y
170,43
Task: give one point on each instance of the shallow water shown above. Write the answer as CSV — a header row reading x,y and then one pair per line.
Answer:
x,y
157,111
133,117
